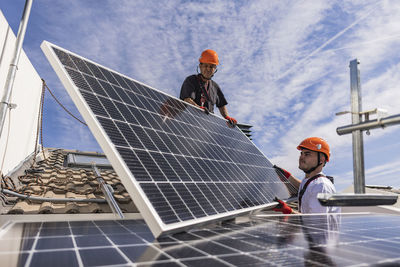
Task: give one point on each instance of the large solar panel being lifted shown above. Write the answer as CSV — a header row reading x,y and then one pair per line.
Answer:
x,y
180,166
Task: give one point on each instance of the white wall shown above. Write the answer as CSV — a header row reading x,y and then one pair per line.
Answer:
x,y
26,94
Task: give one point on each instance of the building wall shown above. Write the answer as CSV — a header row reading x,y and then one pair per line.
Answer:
x,y
26,94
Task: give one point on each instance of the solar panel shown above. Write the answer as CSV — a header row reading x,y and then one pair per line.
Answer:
x,y
311,240
180,166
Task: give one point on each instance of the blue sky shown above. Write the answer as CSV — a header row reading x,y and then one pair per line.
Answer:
x,y
284,66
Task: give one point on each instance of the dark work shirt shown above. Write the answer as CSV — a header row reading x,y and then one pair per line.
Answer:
x,y
195,88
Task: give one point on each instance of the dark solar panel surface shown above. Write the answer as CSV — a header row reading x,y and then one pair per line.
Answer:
x,y
318,240
188,164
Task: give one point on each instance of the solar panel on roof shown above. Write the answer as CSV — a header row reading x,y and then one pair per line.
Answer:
x,y
311,240
180,166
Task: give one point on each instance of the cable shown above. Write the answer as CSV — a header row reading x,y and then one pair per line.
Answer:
x,y
44,83
39,129
45,199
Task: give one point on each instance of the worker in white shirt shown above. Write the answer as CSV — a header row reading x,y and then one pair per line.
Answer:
x,y
314,154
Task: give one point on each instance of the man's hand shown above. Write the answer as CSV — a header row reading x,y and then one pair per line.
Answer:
x,y
283,171
205,110
282,207
231,121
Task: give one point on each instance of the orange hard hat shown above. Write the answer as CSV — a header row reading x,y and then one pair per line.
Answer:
x,y
316,144
209,56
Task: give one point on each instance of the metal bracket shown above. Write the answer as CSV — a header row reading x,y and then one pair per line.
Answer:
x,y
107,193
10,105
347,200
380,114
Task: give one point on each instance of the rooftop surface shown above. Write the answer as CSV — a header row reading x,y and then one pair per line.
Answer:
x,y
52,178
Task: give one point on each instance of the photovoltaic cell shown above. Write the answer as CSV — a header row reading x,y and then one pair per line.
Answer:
x,y
94,104
95,86
180,166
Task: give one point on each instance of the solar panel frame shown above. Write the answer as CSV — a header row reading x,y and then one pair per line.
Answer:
x,y
100,106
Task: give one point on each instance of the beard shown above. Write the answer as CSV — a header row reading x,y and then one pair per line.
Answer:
x,y
301,165
305,167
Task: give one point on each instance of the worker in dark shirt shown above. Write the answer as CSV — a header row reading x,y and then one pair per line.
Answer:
x,y
200,91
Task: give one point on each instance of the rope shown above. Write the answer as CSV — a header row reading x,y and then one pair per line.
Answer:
x,y
39,129
39,124
41,119
44,83
7,183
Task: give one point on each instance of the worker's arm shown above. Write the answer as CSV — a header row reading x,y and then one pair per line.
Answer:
x,y
292,180
224,113
190,101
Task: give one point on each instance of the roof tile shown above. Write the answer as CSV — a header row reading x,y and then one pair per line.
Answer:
x,y
58,181
122,199
25,207
46,208
71,207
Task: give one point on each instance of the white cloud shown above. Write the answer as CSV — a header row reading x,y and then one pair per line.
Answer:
x,y
307,44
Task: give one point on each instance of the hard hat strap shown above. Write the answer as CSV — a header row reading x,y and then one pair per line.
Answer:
x,y
315,167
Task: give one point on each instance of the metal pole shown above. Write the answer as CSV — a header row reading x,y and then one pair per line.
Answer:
x,y
107,193
358,144
4,104
368,125
56,200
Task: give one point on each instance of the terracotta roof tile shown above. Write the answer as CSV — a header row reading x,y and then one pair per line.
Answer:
x,y
71,207
70,187
46,208
58,189
91,208
115,181
128,207
122,199
25,207
37,189
71,195
119,188
54,180
93,183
